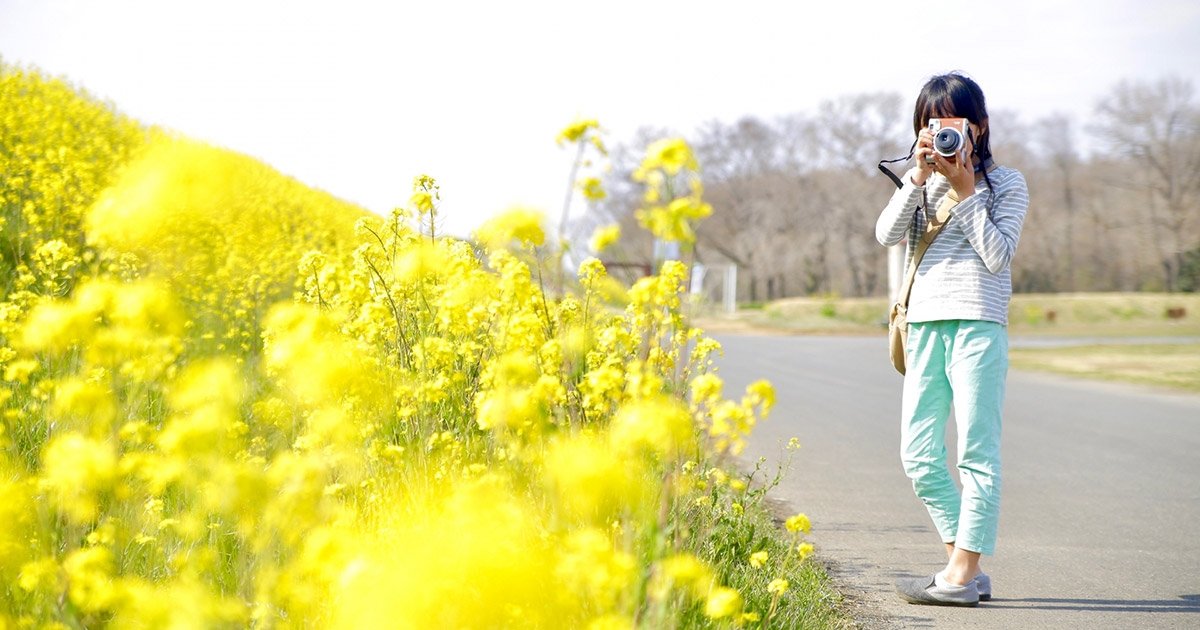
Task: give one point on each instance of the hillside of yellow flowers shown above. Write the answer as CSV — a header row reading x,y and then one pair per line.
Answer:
x,y
230,400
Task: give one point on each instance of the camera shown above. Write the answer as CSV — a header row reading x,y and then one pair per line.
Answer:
x,y
949,136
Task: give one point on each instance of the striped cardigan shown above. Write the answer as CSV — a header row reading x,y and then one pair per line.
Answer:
x,y
965,273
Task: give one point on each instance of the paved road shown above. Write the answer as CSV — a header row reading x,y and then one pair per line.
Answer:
x,y
1100,520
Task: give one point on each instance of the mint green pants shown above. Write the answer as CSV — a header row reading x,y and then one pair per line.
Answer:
x,y
963,365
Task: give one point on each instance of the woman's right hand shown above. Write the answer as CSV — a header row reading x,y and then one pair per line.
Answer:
x,y
923,151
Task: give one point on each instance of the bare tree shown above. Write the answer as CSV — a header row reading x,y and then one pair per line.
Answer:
x,y
854,133
857,131
1060,151
1157,126
739,161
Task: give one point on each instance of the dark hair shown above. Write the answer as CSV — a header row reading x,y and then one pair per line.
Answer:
x,y
954,95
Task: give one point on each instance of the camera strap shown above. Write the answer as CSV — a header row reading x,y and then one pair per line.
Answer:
x,y
887,171
985,166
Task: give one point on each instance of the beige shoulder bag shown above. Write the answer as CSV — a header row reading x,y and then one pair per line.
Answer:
x,y
898,319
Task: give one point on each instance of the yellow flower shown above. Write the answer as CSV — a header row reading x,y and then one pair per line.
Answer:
x,y
102,535
674,222
730,425
593,482
681,572
777,586
507,407
611,622
760,393
758,559
661,425
602,388
77,399
576,130
592,188
18,507
591,269
804,550
20,370
40,573
604,237
472,557
426,183
670,154
591,568
419,262
204,383
520,224
706,387
798,523
90,580
317,363
422,202
723,602
333,442
78,470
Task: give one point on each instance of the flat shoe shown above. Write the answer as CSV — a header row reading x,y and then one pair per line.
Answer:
x,y
926,591
984,584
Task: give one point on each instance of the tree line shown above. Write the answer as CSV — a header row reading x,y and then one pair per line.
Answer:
x,y
1114,201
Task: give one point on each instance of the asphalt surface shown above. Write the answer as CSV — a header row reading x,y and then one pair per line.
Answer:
x,y
1100,515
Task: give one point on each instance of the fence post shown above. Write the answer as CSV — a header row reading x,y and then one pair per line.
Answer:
x,y
730,295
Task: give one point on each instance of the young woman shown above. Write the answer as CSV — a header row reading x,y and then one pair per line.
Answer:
x,y
957,352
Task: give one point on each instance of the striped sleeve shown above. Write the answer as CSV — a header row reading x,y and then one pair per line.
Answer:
x,y
897,218
994,234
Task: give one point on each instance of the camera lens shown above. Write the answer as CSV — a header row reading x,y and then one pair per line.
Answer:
x,y
947,141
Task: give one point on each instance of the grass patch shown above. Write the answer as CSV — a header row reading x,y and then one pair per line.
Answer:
x,y
810,601
1175,366
753,546
815,315
1105,314
1049,314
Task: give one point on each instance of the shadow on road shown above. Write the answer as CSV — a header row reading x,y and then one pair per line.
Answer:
x,y
1184,604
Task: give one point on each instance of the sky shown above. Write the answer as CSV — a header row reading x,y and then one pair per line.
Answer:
x,y
357,98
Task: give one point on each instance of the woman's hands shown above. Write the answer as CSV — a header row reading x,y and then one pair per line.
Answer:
x,y
960,170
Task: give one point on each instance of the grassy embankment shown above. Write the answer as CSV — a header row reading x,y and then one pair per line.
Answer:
x,y
1107,326
228,400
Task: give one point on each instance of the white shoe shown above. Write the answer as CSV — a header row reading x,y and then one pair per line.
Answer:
x,y
926,591
984,584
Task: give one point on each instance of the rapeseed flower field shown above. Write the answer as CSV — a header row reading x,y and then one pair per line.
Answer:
x,y
230,400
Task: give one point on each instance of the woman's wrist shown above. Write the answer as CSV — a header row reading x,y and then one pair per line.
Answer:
x,y
918,178
963,192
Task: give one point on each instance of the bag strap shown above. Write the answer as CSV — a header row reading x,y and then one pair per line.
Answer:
x,y
933,226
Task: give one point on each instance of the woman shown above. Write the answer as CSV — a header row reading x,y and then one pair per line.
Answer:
x,y
957,352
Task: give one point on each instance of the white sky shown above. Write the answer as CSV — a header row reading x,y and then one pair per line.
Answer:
x,y
358,97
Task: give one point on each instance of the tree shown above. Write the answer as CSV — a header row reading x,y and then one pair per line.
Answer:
x,y
1157,126
856,132
1189,274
